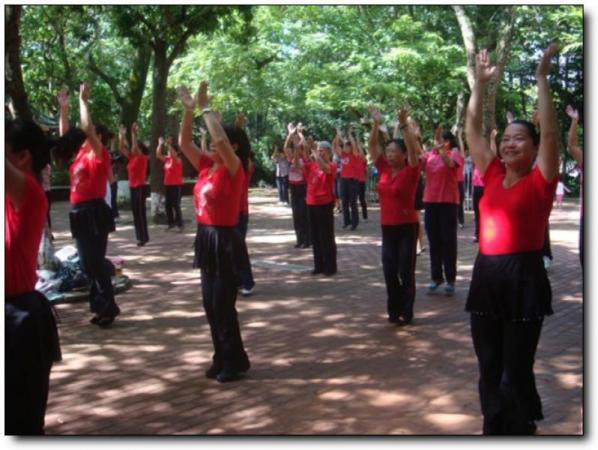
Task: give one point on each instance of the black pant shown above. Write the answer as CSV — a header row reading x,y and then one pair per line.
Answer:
x,y
300,219
282,183
31,347
478,191
398,263
508,394
441,229
461,213
173,206
546,249
321,221
219,292
364,205
139,213
245,274
349,191
113,202
92,254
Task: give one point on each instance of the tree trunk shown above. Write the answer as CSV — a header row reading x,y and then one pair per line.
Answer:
x,y
159,80
459,112
136,85
15,88
503,50
468,41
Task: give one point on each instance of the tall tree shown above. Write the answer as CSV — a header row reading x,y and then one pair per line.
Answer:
x,y
12,61
167,29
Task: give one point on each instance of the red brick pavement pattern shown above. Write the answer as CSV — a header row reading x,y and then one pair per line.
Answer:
x,y
324,359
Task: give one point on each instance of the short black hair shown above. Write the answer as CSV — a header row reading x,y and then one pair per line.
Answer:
x,y
69,144
400,143
530,128
237,135
21,135
448,136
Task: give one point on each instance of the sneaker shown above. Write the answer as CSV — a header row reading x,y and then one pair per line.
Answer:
x,y
432,288
547,262
246,292
449,290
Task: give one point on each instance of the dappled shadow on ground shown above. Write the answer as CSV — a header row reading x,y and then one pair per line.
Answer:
x,y
324,359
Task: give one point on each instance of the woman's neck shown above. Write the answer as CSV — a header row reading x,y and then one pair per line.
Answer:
x,y
514,174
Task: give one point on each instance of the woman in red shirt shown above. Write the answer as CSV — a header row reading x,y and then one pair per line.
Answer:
x,y
217,198
91,218
136,171
441,200
399,171
173,182
350,156
320,203
31,337
510,292
294,150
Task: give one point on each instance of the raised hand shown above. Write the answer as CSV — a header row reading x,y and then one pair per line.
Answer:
x,y
572,113
63,98
483,70
122,131
536,118
493,134
240,120
203,131
84,92
403,115
160,141
510,117
300,127
134,128
375,114
185,97
291,128
544,64
202,97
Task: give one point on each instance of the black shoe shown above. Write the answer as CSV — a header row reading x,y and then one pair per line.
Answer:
x,y
226,376
213,371
345,226
94,320
105,322
141,243
305,246
329,274
244,365
393,320
353,227
316,272
402,322
298,245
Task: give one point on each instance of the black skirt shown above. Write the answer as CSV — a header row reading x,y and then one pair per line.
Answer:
x,y
92,218
219,251
31,330
511,287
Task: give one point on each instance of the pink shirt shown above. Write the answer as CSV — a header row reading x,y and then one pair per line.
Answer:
x,y
441,180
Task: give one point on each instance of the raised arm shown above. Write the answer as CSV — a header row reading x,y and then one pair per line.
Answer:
x,y
373,149
159,148
223,146
548,153
86,123
461,143
123,145
572,147
287,143
479,147
410,137
135,150
337,143
14,183
63,103
189,149
323,164
493,145
355,143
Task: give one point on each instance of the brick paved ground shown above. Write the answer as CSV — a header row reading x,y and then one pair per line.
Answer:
x,y
325,361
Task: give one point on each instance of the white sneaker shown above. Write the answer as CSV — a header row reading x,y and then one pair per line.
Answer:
x,y
246,292
547,262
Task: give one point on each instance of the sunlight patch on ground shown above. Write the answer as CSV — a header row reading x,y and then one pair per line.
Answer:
x,y
376,397
448,422
569,380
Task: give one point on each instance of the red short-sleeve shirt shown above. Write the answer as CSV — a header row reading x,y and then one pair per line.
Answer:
x,y
217,194
137,169
23,231
89,175
477,179
320,185
514,220
397,193
173,171
350,165
441,180
363,169
296,172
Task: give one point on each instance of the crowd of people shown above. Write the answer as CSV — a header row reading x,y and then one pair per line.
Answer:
x,y
514,185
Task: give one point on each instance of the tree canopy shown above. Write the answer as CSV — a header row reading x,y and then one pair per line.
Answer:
x,y
321,65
